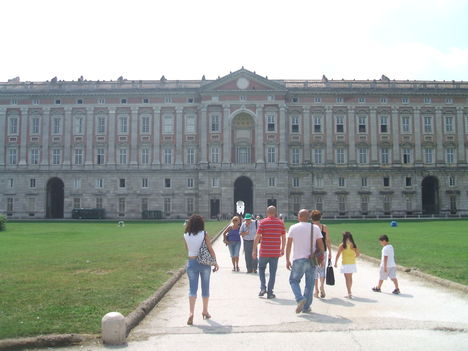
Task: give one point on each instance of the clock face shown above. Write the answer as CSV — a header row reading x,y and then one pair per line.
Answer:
x,y
242,83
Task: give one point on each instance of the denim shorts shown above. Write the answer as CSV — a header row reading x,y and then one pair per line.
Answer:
x,y
234,248
195,271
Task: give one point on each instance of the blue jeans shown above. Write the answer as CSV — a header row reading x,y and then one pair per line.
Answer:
x,y
234,248
195,270
300,268
262,263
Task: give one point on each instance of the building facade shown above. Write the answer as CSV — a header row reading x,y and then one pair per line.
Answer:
x,y
348,148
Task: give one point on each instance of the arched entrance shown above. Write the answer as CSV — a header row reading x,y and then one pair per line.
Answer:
x,y
243,191
55,196
430,195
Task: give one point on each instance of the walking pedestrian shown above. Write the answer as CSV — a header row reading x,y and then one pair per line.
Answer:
x,y
248,231
348,264
387,265
305,237
320,271
194,236
271,234
232,239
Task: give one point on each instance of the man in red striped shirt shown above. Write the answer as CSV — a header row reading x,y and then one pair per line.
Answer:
x,y
272,236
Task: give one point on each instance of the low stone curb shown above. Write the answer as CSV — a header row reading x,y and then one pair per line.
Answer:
x,y
132,320
413,271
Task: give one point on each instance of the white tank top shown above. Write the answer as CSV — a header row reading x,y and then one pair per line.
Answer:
x,y
194,242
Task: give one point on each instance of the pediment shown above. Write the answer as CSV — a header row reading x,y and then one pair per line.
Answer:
x,y
244,80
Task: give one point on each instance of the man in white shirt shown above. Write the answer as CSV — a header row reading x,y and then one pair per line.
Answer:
x,y
387,265
300,234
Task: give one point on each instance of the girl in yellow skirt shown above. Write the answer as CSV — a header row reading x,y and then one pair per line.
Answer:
x,y
349,250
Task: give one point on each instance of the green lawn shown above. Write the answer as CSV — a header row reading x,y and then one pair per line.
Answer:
x,y
62,277
437,247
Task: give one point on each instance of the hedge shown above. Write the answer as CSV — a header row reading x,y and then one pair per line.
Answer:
x,y
2,223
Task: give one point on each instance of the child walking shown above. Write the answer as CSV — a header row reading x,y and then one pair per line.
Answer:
x,y
349,251
387,265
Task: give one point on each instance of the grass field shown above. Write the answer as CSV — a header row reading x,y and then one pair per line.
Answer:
x,y
437,247
62,277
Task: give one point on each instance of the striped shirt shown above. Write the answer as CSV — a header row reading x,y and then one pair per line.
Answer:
x,y
271,229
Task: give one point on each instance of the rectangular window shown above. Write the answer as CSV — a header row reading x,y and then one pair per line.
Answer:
x,y
121,206
78,156
406,156
215,154
271,181
339,124
79,125
167,156
448,100
449,124
296,200
342,204
383,124
123,156
13,126
31,205
271,154
383,100
215,182
9,207
77,183
387,204
99,202
145,101
362,155
101,125
123,124
319,181
317,99
58,102
405,124
190,206
427,124
190,124
56,156
76,202
362,124
99,183
364,204
339,99
295,156
167,124
56,125
428,155
409,203
12,156
449,152
340,157
145,125
190,156
243,155
32,182
361,100
35,125
271,123
167,182
35,158
405,100
11,182
295,124
386,181
317,124
452,181
190,183
384,156
319,203
408,181
427,100
101,101
123,101
144,204
318,156
167,206
100,156
295,182
36,101
122,183
453,204
144,156
215,123
341,182
364,182
144,183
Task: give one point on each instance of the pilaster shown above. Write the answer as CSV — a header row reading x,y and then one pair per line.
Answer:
x,y
395,136
179,130
439,133
352,136
461,155
417,136
204,135
330,131
67,133
306,118
111,136
2,135
259,136
23,136
374,130
134,132
226,135
89,153
45,130
283,135
156,136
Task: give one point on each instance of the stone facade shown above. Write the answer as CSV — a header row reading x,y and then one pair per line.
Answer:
x,y
349,148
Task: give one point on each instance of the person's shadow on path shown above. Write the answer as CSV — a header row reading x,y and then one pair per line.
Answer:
x,y
214,328
336,301
323,318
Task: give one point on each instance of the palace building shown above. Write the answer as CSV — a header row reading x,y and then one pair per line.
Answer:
x,y
349,148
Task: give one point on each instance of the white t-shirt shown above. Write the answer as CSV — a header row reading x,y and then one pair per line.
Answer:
x,y
300,233
387,250
194,242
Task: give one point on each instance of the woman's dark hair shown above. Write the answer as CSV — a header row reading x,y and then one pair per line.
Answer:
x,y
348,236
195,224
384,238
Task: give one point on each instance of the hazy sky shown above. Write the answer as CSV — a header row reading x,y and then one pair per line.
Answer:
x,y
185,39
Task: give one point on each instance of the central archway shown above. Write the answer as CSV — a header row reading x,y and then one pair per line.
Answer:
x,y
430,195
55,197
243,191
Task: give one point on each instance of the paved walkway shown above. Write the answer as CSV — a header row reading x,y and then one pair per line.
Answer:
x,y
423,317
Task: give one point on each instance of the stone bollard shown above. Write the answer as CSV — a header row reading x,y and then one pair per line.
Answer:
x,y
113,329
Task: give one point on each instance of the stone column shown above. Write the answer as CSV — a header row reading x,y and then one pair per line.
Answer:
x,y
134,133
45,130
461,157
374,131
283,129
179,130
67,134
259,136
227,147
306,133
395,137
111,137
417,136
89,153
156,136
2,135
203,135
438,129
23,136
330,131
352,136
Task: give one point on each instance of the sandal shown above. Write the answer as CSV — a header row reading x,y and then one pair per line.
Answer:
x,y
322,293
376,289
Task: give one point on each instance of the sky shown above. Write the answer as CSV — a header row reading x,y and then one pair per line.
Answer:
x,y
183,39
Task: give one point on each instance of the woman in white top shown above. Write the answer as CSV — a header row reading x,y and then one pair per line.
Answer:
x,y
194,236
